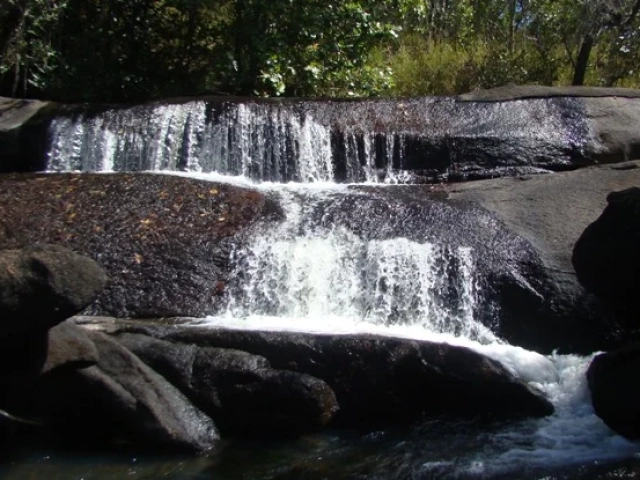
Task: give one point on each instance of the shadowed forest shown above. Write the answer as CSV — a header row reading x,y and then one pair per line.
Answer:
x,y
134,50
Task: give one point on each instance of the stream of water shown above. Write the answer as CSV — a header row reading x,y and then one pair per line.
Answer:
x,y
310,275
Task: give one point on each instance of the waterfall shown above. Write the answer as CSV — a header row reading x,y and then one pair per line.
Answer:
x,y
313,273
261,142
264,142
299,269
319,273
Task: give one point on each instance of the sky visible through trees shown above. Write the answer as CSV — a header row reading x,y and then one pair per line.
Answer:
x,y
133,50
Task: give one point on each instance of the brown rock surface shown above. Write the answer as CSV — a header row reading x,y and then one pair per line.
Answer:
x,y
164,240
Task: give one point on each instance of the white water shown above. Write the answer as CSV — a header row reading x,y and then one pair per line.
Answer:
x,y
572,436
306,271
331,281
264,142
304,278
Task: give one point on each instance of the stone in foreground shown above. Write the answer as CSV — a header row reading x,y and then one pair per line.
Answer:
x,y
118,399
607,255
615,392
240,391
378,380
42,285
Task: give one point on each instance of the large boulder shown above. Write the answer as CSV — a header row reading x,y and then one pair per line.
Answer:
x,y
119,398
615,393
240,391
541,304
607,255
42,285
165,241
377,380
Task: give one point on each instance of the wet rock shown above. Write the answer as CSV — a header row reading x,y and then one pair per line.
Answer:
x,y
165,241
41,285
379,380
119,399
540,304
607,255
520,233
243,395
514,237
69,346
479,135
268,403
614,392
23,130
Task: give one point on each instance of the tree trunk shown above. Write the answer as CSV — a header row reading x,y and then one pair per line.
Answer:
x,y
512,25
583,61
16,77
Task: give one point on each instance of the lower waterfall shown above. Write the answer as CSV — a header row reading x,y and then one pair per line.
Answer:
x,y
309,276
308,271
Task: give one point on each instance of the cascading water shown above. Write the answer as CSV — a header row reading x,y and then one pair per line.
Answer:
x,y
190,137
261,142
304,276
311,274
317,273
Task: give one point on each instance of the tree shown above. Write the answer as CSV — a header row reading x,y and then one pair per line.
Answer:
x,y
27,52
305,47
582,26
132,50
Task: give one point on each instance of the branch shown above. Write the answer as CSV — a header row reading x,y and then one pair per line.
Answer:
x,y
633,14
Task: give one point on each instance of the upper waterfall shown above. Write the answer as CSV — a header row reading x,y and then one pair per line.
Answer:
x,y
261,142
419,140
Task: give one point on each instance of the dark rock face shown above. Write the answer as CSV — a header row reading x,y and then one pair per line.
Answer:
x,y
240,391
42,285
543,306
268,403
69,346
614,391
379,380
117,398
165,241
23,133
607,255
607,261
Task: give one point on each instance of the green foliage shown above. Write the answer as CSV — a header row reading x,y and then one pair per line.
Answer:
x,y
422,67
27,53
305,47
135,49
131,50
495,42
